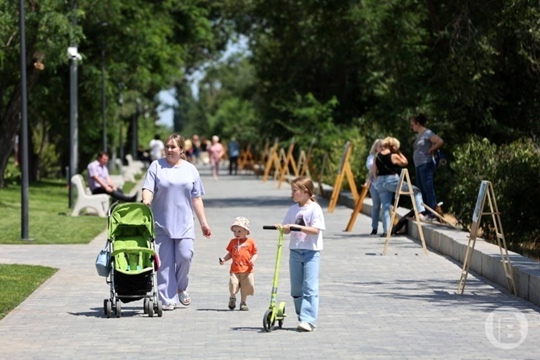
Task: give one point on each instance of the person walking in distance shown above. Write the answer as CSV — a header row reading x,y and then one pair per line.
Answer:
x,y
233,150
157,148
216,152
196,148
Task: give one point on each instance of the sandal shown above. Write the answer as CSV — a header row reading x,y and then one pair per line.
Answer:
x,y
169,307
184,298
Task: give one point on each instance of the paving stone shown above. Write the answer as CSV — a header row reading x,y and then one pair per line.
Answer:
x,y
399,306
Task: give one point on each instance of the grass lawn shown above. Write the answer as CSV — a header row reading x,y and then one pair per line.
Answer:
x,y
17,282
49,220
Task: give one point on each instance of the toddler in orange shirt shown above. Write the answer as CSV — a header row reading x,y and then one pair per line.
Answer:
x,y
243,252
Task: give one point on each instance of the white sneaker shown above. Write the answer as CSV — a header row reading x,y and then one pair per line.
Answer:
x,y
305,327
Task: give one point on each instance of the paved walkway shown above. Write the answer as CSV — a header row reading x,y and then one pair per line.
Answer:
x,y
399,306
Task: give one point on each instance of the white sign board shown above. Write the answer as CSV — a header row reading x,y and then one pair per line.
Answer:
x,y
480,201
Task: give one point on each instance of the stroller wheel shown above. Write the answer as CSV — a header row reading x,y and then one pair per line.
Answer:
x,y
159,308
150,308
107,308
118,309
145,305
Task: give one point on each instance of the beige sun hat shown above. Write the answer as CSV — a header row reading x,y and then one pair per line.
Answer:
x,y
242,222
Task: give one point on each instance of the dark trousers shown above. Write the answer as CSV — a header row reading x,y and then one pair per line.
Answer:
x,y
115,194
233,165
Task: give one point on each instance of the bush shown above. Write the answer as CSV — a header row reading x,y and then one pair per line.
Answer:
x,y
12,174
513,170
472,163
312,120
518,193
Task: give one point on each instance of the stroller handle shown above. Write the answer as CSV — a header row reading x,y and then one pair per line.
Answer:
x,y
273,227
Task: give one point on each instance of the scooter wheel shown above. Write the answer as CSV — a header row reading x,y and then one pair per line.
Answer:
x,y
268,322
281,315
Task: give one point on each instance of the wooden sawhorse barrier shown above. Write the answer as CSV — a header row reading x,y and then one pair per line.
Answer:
x,y
344,170
304,160
288,160
358,206
325,165
272,161
486,191
246,160
404,178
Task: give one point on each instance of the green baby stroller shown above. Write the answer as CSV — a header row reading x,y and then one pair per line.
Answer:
x,y
134,260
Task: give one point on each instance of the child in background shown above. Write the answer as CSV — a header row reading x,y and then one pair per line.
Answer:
x,y
305,246
243,252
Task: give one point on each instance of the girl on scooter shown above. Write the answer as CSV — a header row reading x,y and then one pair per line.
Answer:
x,y
305,246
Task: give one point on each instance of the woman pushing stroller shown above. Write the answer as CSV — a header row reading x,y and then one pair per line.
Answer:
x,y
173,189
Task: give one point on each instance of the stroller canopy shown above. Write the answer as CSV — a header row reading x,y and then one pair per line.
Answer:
x,y
130,216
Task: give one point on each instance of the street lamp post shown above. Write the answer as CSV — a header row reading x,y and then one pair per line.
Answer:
x,y
103,85
135,129
103,100
23,141
74,56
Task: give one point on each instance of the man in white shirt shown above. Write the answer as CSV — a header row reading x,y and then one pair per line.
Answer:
x,y
157,148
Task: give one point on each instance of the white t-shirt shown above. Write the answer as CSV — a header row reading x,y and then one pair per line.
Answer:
x,y
156,149
308,215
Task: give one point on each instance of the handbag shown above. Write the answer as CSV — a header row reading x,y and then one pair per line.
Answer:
x,y
103,262
439,158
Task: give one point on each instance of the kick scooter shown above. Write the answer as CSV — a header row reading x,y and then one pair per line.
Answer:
x,y
275,312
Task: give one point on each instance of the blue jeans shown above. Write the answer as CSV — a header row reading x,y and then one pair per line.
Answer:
x,y
376,209
387,186
304,272
424,179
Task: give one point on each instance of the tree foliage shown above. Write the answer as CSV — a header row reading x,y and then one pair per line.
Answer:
x,y
333,71
325,67
142,47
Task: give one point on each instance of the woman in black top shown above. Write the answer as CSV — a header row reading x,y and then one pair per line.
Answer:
x,y
386,169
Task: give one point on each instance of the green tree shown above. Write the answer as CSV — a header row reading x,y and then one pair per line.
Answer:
x,y
48,34
147,47
225,104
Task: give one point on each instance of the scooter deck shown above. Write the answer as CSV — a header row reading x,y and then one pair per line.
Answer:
x,y
442,219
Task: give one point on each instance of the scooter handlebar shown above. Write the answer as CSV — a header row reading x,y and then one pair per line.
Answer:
x,y
273,227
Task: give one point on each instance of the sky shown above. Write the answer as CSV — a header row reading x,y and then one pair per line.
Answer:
x,y
166,97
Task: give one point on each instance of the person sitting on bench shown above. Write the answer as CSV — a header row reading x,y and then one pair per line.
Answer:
x,y
100,182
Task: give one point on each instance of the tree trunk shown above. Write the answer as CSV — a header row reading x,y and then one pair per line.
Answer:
x,y
11,120
433,15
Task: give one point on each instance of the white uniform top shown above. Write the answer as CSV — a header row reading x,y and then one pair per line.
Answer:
x,y
173,188
156,148
309,215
